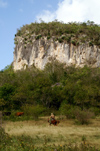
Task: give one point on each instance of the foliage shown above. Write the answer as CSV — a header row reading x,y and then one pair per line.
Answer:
x,y
67,110
4,138
34,111
83,116
95,110
6,92
59,87
77,32
38,37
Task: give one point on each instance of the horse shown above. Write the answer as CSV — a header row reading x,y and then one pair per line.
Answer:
x,y
6,113
54,122
19,113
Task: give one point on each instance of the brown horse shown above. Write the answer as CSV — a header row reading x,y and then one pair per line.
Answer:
x,y
54,122
19,113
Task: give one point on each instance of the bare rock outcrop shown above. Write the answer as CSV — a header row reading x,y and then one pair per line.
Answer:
x,y
39,51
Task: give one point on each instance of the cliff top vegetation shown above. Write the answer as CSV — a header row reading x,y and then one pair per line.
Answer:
x,y
72,32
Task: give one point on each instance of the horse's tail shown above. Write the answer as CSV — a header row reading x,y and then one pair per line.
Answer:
x,y
48,119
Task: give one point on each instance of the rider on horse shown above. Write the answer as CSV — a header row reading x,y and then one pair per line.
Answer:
x,y
52,117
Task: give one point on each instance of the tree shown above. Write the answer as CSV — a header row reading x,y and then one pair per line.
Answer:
x,y
6,92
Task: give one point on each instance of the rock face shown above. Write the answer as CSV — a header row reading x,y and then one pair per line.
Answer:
x,y
39,51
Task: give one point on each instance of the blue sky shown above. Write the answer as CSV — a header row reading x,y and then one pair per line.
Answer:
x,y
13,15
16,13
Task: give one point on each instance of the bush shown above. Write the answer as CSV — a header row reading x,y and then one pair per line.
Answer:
x,y
68,39
38,37
83,116
90,43
95,110
67,110
48,37
4,137
60,40
34,111
74,42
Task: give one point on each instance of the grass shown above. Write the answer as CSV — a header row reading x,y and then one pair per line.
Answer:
x,y
40,133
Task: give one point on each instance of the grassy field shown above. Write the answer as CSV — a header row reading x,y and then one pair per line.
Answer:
x,y
67,132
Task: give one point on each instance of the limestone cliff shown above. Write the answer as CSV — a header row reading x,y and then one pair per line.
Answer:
x,y
39,52
76,44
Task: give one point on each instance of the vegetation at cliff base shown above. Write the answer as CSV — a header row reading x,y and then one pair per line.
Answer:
x,y
66,90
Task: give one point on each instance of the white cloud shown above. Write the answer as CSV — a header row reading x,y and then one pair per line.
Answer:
x,y
74,10
46,16
3,4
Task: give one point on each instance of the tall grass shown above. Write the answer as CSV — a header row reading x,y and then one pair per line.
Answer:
x,y
39,134
42,143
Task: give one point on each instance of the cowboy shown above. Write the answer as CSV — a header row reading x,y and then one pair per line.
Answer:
x,y
52,117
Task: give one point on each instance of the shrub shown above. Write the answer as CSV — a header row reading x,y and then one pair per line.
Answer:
x,y
63,37
48,37
4,137
19,33
77,44
25,38
16,42
60,40
68,39
67,110
95,110
83,116
74,42
24,47
38,37
90,43
34,111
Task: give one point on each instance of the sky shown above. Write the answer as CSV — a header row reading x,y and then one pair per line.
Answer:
x,y
16,13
